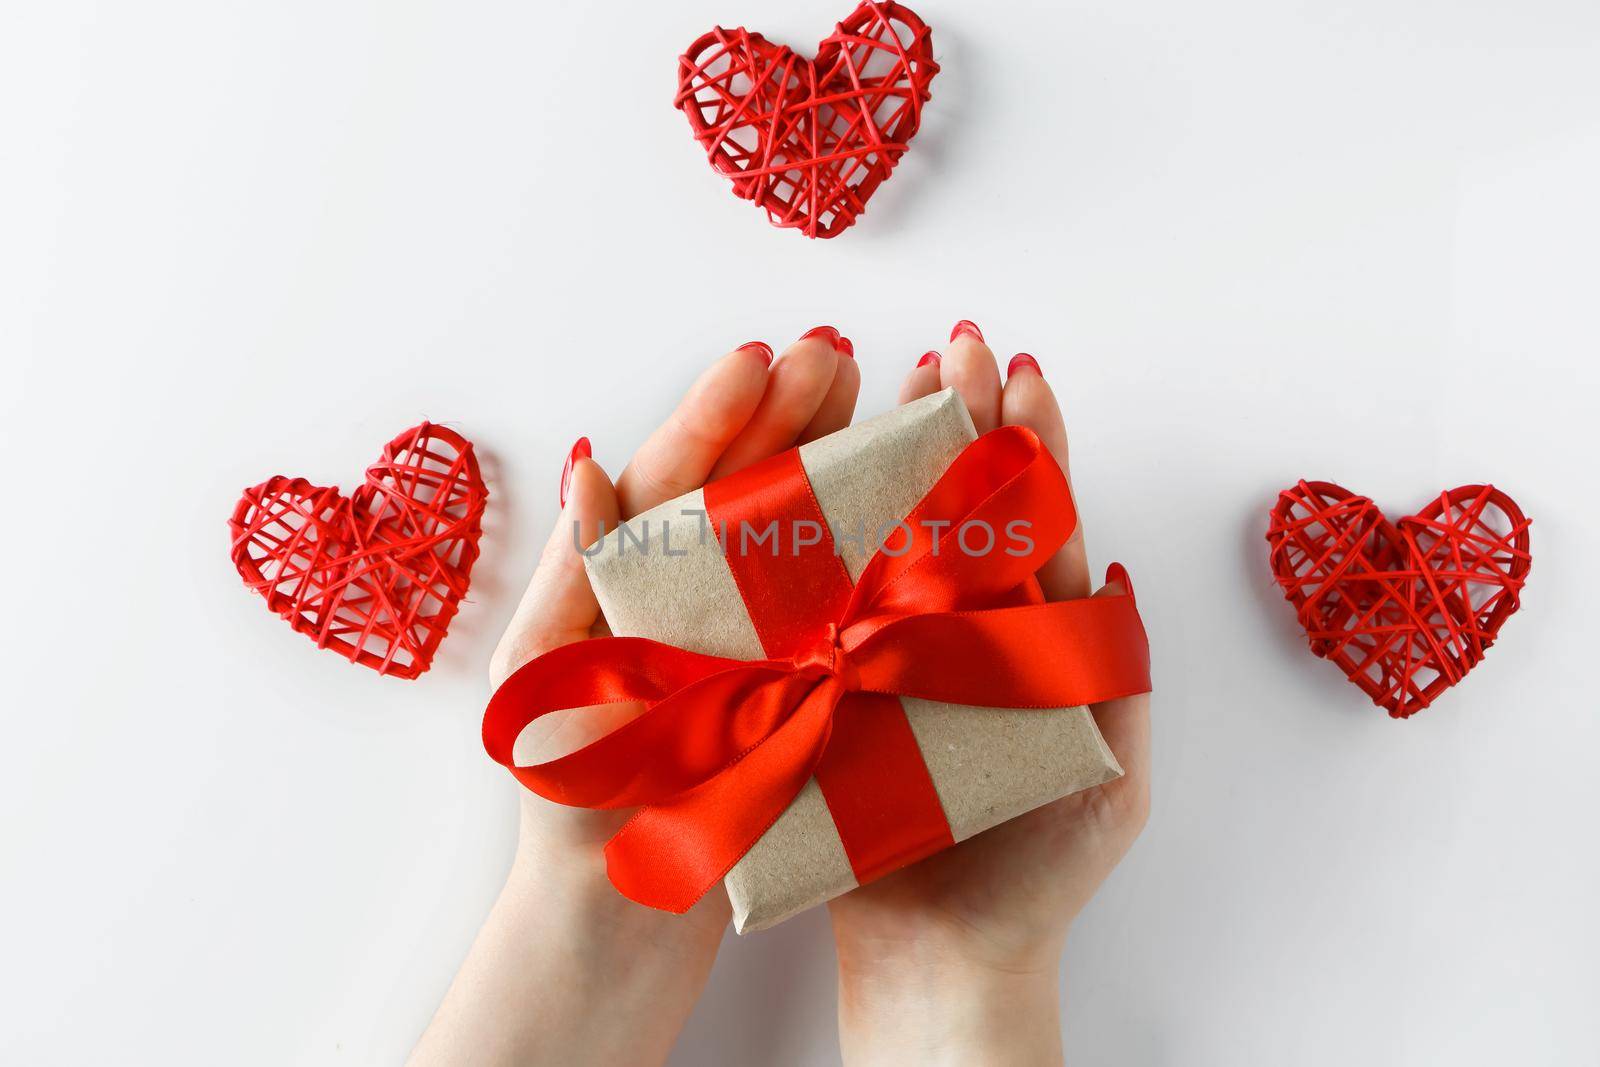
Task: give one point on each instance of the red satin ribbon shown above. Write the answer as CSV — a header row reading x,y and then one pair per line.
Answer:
x,y
724,745
872,775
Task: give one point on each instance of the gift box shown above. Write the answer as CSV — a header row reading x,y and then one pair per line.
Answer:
x,y
814,733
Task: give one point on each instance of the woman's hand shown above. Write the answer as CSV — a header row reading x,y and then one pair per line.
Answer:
x,y
956,958
565,969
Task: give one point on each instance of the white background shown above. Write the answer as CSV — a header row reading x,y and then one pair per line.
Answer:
x,y
1249,241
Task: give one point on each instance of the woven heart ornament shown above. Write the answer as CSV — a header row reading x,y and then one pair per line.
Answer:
x,y
810,140
1405,609
378,575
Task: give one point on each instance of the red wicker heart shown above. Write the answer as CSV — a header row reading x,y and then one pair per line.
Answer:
x,y
810,141
376,576
1407,609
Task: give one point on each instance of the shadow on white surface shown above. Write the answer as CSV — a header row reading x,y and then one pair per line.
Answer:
x,y
761,1004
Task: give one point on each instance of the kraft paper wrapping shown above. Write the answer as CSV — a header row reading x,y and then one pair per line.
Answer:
x,y
987,764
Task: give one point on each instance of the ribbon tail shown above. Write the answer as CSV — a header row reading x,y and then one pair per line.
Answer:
x,y
1061,654
670,855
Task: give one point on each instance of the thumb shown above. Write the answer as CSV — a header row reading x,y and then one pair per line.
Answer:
x,y
1125,723
559,606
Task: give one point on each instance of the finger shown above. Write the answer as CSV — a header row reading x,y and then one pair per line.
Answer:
x,y
1125,723
923,379
799,380
839,405
969,367
561,733
1029,401
559,606
679,455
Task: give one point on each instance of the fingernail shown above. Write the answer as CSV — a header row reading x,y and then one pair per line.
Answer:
x,y
965,326
927,358
580,450
758,346
845,348
1117,574
1023,361
827,333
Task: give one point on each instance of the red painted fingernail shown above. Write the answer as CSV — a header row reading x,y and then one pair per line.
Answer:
x,y
965,326
845,348
927,358
1023,361
758,346
1118,574
580,450
828,333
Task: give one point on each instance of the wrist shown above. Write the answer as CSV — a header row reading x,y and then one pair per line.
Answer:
x,y
562,957
637,952
933,1007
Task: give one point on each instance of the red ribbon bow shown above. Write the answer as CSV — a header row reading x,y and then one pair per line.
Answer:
x,y
724,745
